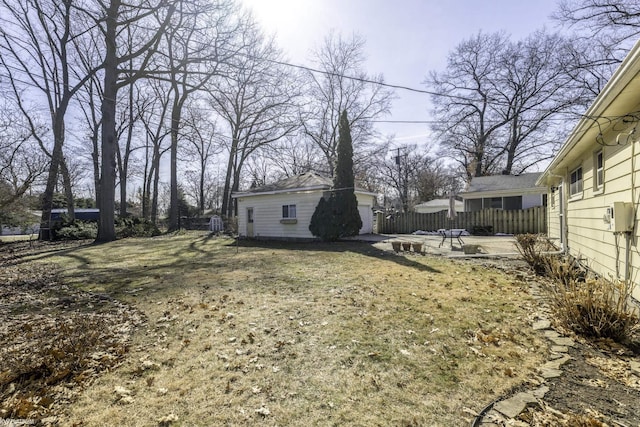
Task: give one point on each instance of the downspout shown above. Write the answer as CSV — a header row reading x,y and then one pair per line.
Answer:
x,y
627,258
564,226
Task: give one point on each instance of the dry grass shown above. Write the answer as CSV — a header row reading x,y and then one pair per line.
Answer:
x,y
302,334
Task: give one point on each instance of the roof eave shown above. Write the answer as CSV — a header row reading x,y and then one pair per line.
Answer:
x,y
296,190
503,193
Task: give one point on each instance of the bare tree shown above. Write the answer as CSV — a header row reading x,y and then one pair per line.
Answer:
x,y
435,179
202,146
399,171
498,101
536,93
293,155
22,163
157,131
38,44
201,41
257,101
89,103
151,19
343,85
604,31
466,117
615,23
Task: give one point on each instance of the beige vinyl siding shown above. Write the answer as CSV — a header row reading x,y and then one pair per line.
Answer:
x,y
267,214
589,237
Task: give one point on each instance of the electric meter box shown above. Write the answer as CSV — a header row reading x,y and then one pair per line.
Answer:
x,y
622,217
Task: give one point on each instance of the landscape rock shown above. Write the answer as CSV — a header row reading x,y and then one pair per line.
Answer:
x,y
541,324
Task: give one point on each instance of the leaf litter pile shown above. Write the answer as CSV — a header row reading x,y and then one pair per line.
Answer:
x,y
54,339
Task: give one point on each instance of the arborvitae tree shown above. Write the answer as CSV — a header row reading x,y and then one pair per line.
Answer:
x,y
338,216
346,204
323,222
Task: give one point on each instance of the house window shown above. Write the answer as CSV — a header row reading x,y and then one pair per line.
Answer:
x,y
513,203
598,170
576,182
493,203
288,211
473,205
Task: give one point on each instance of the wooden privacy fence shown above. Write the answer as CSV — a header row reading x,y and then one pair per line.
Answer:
x,y
532,220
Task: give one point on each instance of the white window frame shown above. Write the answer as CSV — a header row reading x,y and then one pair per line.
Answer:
x,y
289,212
598,171
576,188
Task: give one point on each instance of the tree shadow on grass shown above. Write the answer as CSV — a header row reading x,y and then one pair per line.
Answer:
x,y
362,248
121,274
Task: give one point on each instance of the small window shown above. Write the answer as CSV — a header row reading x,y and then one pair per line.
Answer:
x,y
493,203
576,182
473,205
598,170
288,211
513,203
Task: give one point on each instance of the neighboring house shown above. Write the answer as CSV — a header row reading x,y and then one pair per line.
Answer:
x,y
507,192
283,210
594,180
81,214
437,205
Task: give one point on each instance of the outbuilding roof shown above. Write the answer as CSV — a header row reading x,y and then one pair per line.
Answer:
x,y
523,181
303,182
435,203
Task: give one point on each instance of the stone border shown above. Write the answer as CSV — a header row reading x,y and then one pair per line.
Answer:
x,y
504,411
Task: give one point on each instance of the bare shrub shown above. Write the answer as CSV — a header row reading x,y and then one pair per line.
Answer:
x,y
592,307
595,307
533,249
564,270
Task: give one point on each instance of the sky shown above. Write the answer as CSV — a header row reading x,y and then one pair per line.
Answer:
x,y
406,39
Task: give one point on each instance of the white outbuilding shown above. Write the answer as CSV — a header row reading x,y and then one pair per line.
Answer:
x,y
283,210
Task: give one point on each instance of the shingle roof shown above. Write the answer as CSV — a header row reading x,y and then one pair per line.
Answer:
x,y
305,180
503,182
435,202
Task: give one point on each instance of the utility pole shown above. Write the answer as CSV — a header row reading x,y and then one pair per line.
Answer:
x,y
403,181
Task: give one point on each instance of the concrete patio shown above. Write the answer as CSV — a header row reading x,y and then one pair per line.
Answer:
x,y
433,244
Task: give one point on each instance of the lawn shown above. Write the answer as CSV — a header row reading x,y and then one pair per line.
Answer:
x,y
301,334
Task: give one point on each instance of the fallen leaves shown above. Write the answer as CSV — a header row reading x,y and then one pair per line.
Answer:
x,y
263,410
52,338
616,369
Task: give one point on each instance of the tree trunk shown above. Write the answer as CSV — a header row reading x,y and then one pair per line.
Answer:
x,y
47,197
68,190
57,157
95,158
174,211
226,192
201,189
146,179
511,147
156,181
106,226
